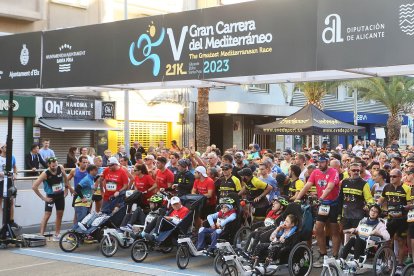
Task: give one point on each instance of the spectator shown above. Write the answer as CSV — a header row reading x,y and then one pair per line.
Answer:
x,y
71,159
33,161
46,152
136,148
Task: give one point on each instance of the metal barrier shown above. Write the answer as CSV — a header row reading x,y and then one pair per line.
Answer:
x,y
22,178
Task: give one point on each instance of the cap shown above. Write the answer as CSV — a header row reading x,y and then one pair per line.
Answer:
x,y
175,199
245,172
183,163
256,147
239,154
226,166
323,158
113,161
288,151
149,157
201,170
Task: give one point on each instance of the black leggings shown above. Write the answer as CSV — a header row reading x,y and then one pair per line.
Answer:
x,y
258,234
273,251
137,217
359,246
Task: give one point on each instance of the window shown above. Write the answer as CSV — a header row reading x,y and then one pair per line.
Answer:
x,y
349,92
258,88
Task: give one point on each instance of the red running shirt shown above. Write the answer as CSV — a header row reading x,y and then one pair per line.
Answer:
x,y
321,180
203,187
115,180
180,213
163,178
143,184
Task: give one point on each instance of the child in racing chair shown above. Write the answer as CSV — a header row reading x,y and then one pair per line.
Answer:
x,y
368,226
157,209
216,224
262,230
282,241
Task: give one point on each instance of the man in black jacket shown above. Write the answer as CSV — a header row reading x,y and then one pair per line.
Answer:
x,y
33,160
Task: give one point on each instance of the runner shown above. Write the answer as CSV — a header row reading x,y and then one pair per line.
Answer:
x,y
164,177
56,187
77,174
326,181
115,180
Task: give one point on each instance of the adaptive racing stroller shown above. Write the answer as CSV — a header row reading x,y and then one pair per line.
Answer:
x,y
169,232
298,262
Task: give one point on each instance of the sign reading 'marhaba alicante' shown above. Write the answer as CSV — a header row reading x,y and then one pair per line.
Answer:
x,y
256,38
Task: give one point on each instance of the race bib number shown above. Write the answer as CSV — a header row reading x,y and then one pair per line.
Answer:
x,y
110,186
56,188
410,216
269,222
324,210
365,230
128,193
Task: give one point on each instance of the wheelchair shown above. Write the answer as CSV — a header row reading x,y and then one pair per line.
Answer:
x,y
169,232
299,261
384,260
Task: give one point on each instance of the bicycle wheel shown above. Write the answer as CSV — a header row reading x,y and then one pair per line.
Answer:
x,y
300,260
109,245
182,256
218,263
241,236
408,270
331,271
69,241
229,270
139,251
384,261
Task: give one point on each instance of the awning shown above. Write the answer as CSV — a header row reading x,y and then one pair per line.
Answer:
x,y
63,125
379,133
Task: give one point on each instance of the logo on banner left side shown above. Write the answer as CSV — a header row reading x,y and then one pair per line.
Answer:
x,y
145,44
407,19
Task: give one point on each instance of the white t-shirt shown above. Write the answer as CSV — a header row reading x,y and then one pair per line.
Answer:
x,y
302,175
3,166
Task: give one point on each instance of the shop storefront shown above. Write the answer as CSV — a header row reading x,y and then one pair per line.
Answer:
x,y
73,123
24,113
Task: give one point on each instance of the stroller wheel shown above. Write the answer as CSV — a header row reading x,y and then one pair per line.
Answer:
x,y
139,251
408,270
218,263
384,261
229,270
69,241
241,236
183,256
109,246
300,260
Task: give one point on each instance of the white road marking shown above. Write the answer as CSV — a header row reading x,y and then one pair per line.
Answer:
x,y
25,266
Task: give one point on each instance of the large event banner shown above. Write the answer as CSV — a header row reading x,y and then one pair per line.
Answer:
x,y
20,59
256,38
360,34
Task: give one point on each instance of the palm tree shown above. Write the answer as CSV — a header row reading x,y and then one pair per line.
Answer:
x,y
395,93
315,91
202,120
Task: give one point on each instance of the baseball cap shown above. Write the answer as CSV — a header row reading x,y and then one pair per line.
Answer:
x,y
245,172
175,199
201,170
239,154
323,158
288,151
113,161
149,157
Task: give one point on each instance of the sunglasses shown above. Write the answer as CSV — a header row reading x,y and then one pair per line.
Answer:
x,y
51,159
355,170
376,169
394,176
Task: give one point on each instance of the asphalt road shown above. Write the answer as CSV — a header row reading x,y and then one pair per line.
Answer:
x,y
87,260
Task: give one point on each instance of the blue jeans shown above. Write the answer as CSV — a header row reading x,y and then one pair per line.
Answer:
x,y
215,234
81,212
109,205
